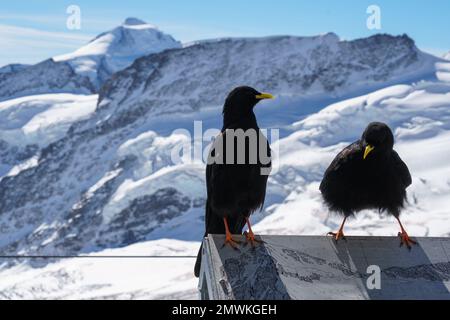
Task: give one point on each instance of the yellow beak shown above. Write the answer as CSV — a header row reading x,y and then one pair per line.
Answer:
x,y
368,150
264,96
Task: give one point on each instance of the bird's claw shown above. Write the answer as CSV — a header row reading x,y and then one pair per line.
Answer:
x,y
231,242
337,235
250,236
406,240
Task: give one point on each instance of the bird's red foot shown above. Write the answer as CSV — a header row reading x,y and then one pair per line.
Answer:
x,y
231,242
340,234
250,236
406,240
337,235
228,238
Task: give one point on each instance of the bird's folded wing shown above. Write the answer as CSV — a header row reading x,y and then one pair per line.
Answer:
x,y
402,169
344,157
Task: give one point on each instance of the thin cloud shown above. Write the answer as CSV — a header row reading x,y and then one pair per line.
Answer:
x,y
41,19
28,45
438,52
14,31
57,21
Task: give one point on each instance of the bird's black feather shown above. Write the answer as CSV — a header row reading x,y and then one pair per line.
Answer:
x,y
351,183
235,190
402,170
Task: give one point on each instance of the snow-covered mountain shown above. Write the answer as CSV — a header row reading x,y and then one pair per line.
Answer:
x,y
420,117
111,181
197,76
14,67
111,278
116,49
86,69
443,69
79,176
30,123
45,77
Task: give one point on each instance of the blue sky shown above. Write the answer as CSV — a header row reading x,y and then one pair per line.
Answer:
x,y
33,30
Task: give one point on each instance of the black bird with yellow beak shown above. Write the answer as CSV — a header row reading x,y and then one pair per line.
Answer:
x,y
238,166
368,174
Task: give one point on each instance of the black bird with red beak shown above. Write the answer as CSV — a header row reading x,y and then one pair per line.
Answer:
x,y
368,174
238,167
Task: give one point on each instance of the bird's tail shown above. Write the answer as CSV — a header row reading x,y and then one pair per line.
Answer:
x,y
198,262
214,225
208,216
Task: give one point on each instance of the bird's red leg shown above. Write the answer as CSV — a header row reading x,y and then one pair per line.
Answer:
x,y
228,238
404,237
340,234
250,235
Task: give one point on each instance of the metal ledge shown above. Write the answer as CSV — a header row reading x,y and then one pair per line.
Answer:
x,y
316,267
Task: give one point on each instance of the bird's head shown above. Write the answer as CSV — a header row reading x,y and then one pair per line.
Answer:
x,y
377,139
241,100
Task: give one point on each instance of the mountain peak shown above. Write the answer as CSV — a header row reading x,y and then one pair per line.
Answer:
x,y
133,21
330,35
137,24
116,49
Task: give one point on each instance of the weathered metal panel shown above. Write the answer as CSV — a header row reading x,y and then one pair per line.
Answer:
x,y
316,267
